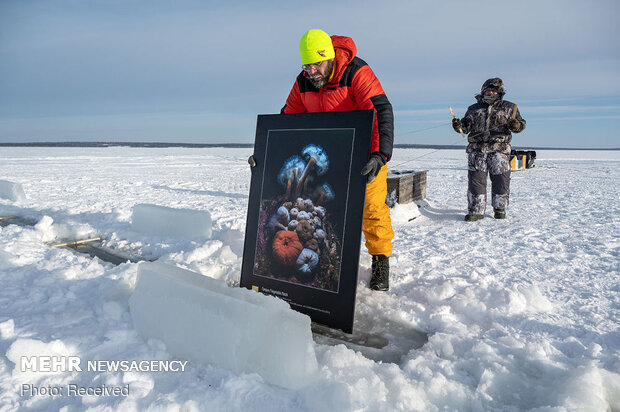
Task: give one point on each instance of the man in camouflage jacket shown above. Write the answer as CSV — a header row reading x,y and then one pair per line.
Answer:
x,y
489,124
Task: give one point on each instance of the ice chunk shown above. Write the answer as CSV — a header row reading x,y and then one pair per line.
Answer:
x,y
7,329
5,260
11,191
202,319
169,222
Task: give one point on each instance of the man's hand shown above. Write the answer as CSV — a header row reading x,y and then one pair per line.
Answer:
x,y
376,161
514,125
456,125
252,161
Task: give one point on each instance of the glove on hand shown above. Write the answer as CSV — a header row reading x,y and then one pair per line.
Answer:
x,y
456,125
376,161
514,125
252,161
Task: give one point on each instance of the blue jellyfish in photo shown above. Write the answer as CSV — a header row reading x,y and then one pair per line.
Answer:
x,y
321,159
290,173
325,193
317,159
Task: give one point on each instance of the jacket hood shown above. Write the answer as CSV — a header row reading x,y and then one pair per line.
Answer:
x,y
492,84
345,50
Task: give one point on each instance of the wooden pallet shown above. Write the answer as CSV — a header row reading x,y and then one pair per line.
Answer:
x,y
405,186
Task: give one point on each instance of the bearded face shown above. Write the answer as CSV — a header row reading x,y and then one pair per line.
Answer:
x,y
319,76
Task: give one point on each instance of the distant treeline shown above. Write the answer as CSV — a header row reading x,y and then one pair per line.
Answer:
x,y
248,145
123,144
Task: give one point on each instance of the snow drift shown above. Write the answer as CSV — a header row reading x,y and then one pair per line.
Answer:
x,y
202,319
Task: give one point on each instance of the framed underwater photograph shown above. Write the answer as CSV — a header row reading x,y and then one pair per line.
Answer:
x,y
305,211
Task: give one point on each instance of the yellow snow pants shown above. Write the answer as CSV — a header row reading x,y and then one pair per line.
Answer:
x,y
377,225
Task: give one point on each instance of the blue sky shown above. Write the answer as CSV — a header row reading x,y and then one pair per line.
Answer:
x,y
200,71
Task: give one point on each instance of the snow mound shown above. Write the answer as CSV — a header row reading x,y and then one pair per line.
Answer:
x,y
169,222
11,191
47,230
34,348
404,213
204,320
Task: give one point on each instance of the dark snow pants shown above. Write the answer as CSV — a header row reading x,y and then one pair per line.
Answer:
x,y
497,164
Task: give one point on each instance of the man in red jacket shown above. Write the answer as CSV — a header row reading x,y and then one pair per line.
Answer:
x,y
333,79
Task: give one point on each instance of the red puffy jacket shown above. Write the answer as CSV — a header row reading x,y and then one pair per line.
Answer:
x,y
353,86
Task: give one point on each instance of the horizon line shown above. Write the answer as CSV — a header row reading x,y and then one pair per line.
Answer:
x,y
248,145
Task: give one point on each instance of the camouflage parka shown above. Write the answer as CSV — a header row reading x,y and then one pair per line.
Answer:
x,y
487,125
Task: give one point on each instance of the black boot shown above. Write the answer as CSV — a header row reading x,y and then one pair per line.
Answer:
x,y
471,217
500,214
380,273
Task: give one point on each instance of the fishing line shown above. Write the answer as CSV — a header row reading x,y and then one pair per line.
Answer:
x,y
422,130
433,151
514,114
421,156
425,154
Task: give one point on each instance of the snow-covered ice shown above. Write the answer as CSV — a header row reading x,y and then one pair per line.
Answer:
x,y
204,320
522,313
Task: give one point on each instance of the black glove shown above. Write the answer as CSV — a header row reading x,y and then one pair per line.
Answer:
x,y
376,161
456,125
514,125
252,161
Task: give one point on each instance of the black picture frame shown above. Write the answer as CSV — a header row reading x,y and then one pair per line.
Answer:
x,y
321,282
